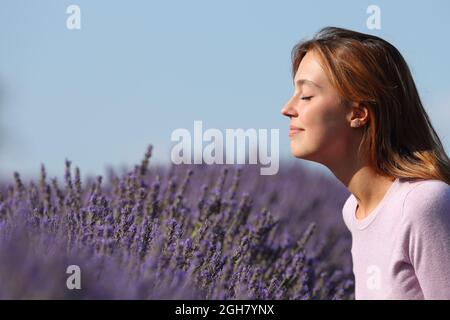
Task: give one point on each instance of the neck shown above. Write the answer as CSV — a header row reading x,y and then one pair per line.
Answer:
x,y
364,182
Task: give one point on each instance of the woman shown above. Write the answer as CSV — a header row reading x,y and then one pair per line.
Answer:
x,y
356,110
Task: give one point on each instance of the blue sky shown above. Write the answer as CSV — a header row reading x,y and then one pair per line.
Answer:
x,y
137,70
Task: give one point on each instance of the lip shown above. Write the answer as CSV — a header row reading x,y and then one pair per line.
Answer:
x,y
294,132
292,128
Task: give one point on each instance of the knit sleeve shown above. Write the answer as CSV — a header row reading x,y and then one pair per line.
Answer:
x,y
426,214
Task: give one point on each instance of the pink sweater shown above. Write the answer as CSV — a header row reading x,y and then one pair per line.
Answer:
x,y
401,250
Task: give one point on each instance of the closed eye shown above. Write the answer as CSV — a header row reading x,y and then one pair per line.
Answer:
x,y
306,98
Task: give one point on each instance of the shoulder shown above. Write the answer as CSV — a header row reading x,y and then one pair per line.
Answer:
x,y
427,199
426,219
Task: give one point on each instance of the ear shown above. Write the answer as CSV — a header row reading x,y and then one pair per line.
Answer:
x,y
359,114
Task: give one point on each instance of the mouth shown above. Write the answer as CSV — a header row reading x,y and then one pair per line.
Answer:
x,y
293,132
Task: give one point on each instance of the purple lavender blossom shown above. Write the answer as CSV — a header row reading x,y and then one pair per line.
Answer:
x,y
202,232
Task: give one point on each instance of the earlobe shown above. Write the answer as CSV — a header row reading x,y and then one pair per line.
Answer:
x,y
356,123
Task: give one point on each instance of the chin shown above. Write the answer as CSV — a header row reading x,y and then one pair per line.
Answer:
x,y
297,151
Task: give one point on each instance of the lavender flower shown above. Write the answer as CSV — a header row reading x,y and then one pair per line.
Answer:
x,y
175,233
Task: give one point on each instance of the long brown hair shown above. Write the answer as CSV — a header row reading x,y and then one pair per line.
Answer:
x,y
399,138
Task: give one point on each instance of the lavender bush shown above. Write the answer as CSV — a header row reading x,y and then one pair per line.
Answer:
x,y
183,232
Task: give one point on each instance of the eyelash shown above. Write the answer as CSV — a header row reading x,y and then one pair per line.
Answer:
x,y
306,98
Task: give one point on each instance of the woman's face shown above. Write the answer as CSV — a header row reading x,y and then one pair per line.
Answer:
x,y
315,107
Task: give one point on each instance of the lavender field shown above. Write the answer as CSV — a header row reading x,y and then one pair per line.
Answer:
x,y
181,232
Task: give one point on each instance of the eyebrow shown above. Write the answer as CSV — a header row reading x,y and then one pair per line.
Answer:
x,y
306,81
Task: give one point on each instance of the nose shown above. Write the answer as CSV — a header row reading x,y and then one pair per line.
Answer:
x,y
288,110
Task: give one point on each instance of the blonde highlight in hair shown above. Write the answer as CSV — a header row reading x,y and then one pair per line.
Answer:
x,y
399,139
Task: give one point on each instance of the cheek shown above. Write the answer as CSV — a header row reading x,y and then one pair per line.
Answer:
x,y
323,123
321,115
